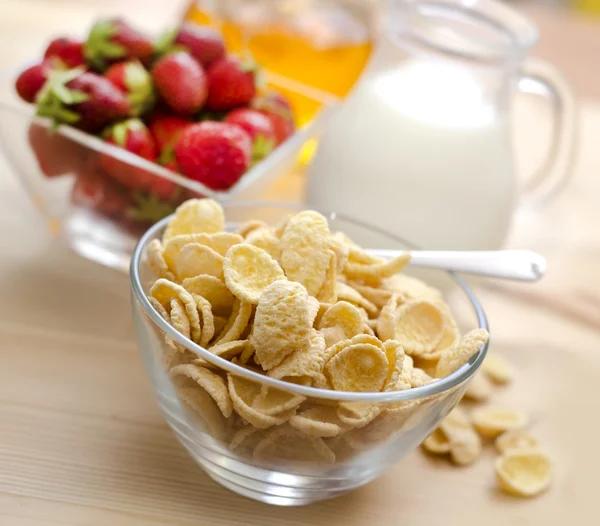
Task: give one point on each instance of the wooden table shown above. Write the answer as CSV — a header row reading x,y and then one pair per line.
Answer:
x,y
82,441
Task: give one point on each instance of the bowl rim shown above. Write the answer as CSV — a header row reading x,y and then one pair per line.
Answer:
x,y
440,386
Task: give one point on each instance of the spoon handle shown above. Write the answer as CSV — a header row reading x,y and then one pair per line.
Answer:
x,y
519,265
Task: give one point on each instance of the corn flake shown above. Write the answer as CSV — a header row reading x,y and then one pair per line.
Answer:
x,y
373,273
358,368
491,422
515,440
284,443
196,216
247,227
207,319
243,393
203,406
164,291
272,401
437,443
156,260
357,414
212,383
347,293
305,252
237,322
303,363
497,369
213,289
282,323
479,389
419,327
179,319
265,239
319,421
524,473
195,259
249,271
454,358
328,290
344,315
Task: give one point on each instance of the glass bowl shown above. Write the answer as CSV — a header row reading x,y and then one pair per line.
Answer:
x,y
270,460
97,216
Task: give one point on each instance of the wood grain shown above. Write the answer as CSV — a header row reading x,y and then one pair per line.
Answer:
x,y
82,442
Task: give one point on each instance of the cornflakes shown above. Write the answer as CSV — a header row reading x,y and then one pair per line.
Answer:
x,y
214,290
156,260
497,369
345,316
195,216
515,440
282,323
195,259
305,252
212,383
249,271
524,472
164,291
237,322
243,393
284,443
479,389
319,421
491,422
454,358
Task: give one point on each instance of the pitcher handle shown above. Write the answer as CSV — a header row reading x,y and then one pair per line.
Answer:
x,y
541,78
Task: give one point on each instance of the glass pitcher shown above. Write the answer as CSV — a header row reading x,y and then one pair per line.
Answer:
x,y
423,145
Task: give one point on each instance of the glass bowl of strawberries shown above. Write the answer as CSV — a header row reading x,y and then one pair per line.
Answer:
x,y
111,133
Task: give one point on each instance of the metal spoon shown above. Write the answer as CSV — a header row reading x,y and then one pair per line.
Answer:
x,y
518,265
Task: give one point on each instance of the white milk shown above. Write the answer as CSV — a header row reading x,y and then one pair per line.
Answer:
x,y
420,152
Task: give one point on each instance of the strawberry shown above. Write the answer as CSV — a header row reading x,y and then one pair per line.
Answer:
x,y
133,136
215,153
203,43
69,50
113,40
181,82
165,130
258,126
93,189
84,99
30,82
231,84
133,79
277,109
55,154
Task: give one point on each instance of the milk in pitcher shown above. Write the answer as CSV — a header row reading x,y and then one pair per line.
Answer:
x,y
422,151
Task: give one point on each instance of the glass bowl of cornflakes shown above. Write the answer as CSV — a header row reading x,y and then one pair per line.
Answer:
x,y
292,364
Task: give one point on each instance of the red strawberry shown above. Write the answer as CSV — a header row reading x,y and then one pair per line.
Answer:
x,y
215,153
277,109
86,100
95,190
55,154
166,129
258,126
231,84
133,136
30,82
69,50
181,82
204,44
132,78
113,40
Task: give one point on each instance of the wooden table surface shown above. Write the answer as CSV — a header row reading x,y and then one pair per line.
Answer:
x,y
82,441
